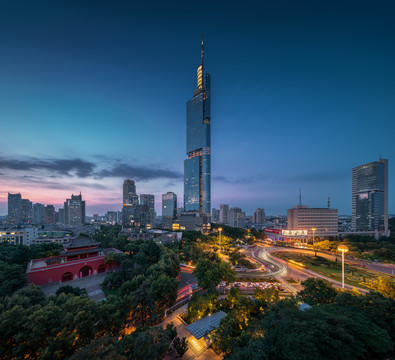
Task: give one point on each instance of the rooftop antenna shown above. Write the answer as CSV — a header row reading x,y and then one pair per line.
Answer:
x,y
329,202
300,197
202,49
380,156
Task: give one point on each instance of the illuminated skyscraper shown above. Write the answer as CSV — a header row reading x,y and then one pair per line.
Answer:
x,y
197,168
370,197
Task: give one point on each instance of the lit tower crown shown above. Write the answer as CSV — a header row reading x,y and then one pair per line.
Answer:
x,y
200,72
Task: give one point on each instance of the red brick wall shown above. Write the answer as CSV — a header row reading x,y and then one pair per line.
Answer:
x,y
54,273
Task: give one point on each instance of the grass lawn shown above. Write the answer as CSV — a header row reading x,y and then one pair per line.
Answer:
x,y
354,275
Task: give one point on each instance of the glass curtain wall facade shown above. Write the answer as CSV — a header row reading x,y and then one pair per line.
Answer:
x,y
370,197
197,167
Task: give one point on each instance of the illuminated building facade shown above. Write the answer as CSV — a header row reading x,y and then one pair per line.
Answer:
x,y
130,198
323,220
370,197
197,167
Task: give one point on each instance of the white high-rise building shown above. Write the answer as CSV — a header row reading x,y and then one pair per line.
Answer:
x,y
258,217
236,217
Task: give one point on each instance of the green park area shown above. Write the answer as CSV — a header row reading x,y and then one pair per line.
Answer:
x,y
354,275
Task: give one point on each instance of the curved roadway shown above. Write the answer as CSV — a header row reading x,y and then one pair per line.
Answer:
x,y
279,268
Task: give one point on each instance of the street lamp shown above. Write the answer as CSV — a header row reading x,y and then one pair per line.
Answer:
x,y
314,229
219,229
343,249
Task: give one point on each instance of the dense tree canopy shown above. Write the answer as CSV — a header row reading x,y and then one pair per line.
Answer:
x,y
209,274
68,324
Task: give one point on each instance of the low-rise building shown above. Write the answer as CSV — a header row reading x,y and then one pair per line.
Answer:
x,y
24,236
81,257
319,222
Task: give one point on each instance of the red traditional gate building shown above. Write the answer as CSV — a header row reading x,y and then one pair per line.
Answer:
x,y
81,257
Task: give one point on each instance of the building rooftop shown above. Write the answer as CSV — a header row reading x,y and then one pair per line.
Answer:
x,y
80,242
205,325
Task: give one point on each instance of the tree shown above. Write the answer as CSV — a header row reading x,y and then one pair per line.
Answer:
x,y
163,290
12,278
268,295
151,344
382,285
210,274
110,259
317,291
181,346
318,333
67,289
103,348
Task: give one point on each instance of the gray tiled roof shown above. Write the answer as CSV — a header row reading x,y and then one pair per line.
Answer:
x,y
80,242
205,325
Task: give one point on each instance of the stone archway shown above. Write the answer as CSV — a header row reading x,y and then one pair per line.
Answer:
x,y
85,271
67,276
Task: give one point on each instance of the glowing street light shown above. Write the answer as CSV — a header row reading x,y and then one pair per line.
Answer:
x,y
314,229
220,230
343,249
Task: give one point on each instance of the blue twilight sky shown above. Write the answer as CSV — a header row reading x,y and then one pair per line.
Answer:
x,y
93,92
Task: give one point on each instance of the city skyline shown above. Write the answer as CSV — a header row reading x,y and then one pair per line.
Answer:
x,y
301,97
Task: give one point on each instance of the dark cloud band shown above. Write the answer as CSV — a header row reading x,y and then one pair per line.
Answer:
x,y
83,169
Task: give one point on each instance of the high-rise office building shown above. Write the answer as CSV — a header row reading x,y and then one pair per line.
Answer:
x,y
223,214
74,211
197,168
14,209
61,216
169,205
130,198
26,211
149,201
112,217
236,217
370,197
258,217
215,215
38,214
50,214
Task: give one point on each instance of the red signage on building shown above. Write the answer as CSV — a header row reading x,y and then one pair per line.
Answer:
x,y
273,231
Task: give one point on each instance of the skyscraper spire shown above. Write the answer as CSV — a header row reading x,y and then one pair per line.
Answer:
x,y
202,50
200,72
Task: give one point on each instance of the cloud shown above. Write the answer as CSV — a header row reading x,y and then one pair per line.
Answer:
x,y
85,169
139,172
243,180
81,167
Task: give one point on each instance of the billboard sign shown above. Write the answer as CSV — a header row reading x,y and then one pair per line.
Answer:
x,y
294,232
